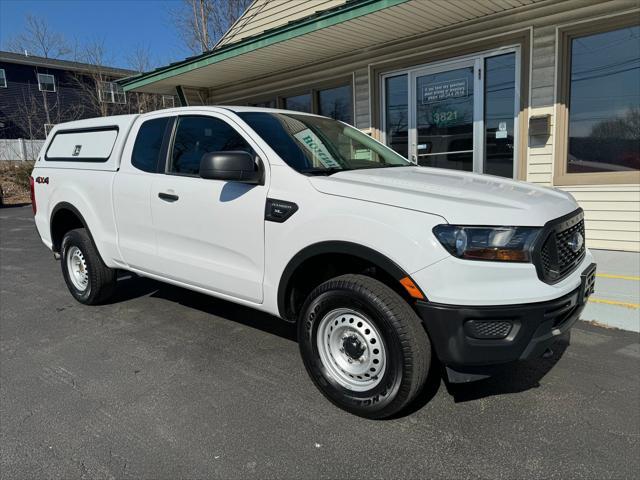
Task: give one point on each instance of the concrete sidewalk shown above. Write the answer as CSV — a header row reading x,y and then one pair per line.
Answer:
x,y
616,302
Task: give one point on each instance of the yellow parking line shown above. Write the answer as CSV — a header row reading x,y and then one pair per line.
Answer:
x,y
615,302
618,277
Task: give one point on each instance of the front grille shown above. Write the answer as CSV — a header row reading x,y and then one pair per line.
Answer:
x,y
487,329
563,248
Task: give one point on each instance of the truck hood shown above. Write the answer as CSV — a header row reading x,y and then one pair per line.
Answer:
x,y
459,197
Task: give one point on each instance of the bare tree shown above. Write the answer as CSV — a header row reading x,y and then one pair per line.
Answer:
x,y
39,39
201,23
96,83
140,60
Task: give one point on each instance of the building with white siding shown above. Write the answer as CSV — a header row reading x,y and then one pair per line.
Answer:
x,y
544,91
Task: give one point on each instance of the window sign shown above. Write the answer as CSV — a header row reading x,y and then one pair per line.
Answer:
x,y
439,91
320,153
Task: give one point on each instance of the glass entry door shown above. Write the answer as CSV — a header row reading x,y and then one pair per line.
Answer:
x,y
443,116
461,114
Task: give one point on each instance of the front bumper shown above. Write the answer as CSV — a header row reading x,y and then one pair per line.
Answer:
x,y
467,336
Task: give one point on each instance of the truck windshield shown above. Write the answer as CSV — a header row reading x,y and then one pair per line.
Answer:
x,y
320,146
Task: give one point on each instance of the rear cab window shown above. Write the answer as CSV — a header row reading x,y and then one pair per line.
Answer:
x,y
148,147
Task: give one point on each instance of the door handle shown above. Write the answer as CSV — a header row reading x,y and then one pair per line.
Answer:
x,y
168,197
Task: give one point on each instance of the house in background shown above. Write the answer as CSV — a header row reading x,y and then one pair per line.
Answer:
x,y
37,93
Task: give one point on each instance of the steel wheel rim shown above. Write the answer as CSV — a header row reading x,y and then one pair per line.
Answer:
x,y
342,335
77,268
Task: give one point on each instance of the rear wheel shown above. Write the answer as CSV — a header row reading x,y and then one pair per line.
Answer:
x,y
89,280
363,346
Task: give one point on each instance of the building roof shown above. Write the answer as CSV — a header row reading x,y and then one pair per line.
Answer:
x,y
20,58
263,15
344,28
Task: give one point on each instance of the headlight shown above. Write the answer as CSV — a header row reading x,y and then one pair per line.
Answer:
x,y
508,244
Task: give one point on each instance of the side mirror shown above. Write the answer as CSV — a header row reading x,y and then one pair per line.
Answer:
x,y
232,166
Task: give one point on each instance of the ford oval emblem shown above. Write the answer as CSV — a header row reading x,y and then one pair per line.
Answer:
x,y
576,242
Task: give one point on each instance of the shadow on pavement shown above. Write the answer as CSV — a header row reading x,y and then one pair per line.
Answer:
x,y
14,205
131,286
511,378
226,310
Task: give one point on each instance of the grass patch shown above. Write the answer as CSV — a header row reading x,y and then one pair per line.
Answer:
x,y
14,180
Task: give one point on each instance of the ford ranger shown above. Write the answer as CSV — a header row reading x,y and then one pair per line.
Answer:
x,y
387,268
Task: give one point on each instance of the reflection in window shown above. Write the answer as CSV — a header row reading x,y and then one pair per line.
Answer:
x,y
336,103
604,102
146,150
299,103
196,136
444,119
499,104
397,114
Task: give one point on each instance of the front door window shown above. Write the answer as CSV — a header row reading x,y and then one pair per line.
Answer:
x,y
459,114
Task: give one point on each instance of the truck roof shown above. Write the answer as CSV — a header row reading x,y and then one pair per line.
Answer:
x,y
122,121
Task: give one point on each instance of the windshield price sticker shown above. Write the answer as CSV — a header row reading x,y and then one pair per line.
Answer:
x,y
312,143
439,91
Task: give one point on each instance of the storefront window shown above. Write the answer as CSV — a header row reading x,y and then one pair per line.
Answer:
x,y
397,114
299,103
604,102
336,103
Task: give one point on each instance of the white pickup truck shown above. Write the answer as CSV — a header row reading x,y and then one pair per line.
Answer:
x,y
385,266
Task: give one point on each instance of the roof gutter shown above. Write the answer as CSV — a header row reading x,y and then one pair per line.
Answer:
x,y
346,12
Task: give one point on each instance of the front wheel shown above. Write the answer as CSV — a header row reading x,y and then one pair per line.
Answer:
x,y
363,346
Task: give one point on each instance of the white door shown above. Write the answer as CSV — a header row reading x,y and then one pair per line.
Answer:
x,y
141,163
209,233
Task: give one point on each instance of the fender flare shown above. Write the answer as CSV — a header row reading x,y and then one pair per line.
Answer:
x,y
76,212
340,247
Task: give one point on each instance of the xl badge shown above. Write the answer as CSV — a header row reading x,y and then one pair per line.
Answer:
x,y
575,242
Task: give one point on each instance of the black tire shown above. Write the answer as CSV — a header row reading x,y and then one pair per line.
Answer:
x,y
404,338
101,279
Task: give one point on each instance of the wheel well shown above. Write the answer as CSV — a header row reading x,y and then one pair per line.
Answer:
x,y
317,269
63,220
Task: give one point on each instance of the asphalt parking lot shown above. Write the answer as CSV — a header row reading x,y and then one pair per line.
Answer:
x,y
166,383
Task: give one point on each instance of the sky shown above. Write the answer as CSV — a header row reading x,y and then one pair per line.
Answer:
x,y
123,24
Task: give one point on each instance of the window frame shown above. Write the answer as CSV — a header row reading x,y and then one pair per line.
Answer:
x,y
164,165
111,92
106,128
564,36
4,78
520,38
40,83
173,101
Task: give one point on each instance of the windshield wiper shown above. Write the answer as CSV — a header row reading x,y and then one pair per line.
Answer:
x,y
323,171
